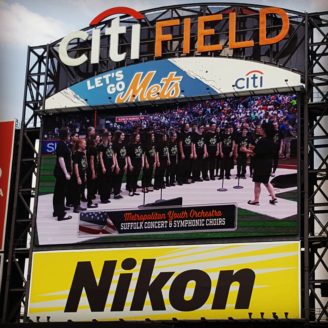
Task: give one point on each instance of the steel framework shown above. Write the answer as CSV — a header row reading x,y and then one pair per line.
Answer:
x,y
42,71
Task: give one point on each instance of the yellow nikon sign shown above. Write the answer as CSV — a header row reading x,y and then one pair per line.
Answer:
x,y
161,283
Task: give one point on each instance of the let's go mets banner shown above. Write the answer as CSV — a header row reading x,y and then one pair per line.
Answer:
x,y
7,134
161,283
173,78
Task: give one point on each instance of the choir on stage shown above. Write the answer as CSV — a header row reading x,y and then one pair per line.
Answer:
x,y
199,142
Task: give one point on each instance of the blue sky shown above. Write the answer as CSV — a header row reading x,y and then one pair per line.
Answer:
x,y
36,22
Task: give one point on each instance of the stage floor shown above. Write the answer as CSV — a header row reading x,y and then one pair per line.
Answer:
x,y
52,232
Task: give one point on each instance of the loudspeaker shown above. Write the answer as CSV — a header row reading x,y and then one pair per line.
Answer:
x,y
164,202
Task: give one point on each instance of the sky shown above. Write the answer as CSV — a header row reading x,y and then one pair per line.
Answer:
x,y
38,22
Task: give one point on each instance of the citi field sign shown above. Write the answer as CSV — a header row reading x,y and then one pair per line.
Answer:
x,y
116,30
171,78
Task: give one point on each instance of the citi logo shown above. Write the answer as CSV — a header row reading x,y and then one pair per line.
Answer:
x,y
113,32
252,80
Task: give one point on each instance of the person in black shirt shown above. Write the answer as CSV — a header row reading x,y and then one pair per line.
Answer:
x,y
218,165
277,147
263,155
121,163
242,143
150,161
199,155
107,167
173,153
227,145
212,146
185,155
254,140
135,163
92,158
62,173
80,165
69,197
127,141
162,161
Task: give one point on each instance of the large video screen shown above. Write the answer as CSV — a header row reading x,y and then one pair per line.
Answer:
x,y
215,168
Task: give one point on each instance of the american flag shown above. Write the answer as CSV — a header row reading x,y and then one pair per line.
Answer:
x,y
94,217
96,223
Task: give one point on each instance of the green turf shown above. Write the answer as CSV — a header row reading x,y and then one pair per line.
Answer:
x,y
47,179
288,195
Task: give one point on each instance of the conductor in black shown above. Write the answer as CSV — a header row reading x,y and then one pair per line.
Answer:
x,y
62,173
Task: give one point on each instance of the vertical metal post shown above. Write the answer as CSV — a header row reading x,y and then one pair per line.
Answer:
x,y
36,193
95,119
16,191
306,175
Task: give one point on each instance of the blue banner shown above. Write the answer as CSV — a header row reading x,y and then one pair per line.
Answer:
x,y
49,147
154,80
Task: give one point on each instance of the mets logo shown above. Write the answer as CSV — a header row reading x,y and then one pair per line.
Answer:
x,y
84,163
138,151
123,152
187,141
109,152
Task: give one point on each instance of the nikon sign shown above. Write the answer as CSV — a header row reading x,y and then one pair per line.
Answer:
x,y
183,282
